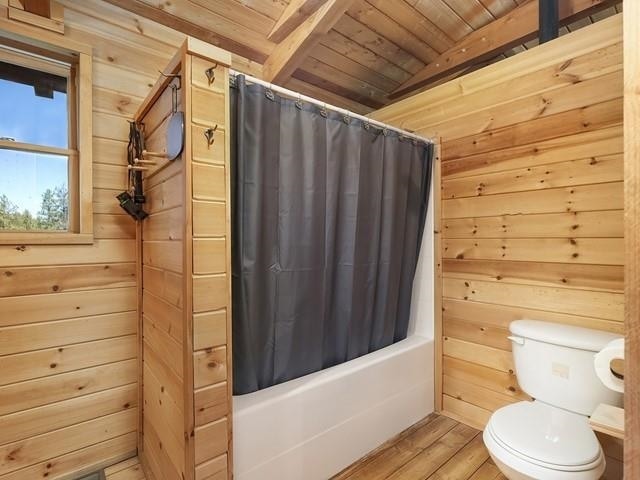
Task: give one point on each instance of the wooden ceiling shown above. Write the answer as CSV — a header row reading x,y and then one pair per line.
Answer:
x,y
364,54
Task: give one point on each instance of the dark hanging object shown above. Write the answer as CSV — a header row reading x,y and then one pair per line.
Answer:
x,y
133,199
549,20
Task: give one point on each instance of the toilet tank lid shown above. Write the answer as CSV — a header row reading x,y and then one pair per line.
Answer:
x,y
563,335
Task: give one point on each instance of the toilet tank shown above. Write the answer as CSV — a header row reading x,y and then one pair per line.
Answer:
x,y
554,364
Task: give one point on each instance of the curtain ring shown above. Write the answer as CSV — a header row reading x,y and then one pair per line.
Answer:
x,y
323,111
299,102
269,93
346,119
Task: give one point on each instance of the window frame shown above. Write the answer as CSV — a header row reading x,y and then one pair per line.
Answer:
x,y
53,46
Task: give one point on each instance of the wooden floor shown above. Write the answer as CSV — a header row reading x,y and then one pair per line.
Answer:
x,y
127,470
435,448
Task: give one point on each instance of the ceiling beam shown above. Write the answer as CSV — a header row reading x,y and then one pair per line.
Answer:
x,y
295,13
201,33
289,53
518,26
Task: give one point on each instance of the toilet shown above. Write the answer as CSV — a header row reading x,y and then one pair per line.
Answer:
x,y
549,438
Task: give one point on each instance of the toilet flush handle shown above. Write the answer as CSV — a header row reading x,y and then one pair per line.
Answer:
x,y
518,340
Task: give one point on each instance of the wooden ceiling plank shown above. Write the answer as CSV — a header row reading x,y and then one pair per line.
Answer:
x,y
271,8
367,38
356,52
405,15
471,11
289,53
349,66
238,13
518,26
361,91
295,13
257,52
386,27
498,8
441,14
336,89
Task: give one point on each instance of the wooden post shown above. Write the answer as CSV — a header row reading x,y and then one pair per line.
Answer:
x,y
632,237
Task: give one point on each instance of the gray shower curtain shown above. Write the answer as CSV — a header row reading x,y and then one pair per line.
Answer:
x,y
328,214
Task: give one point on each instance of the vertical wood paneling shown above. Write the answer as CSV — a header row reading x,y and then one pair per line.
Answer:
x,y
632,240
532,205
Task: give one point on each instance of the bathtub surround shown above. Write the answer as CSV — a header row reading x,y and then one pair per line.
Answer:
x,y
328,219
313,427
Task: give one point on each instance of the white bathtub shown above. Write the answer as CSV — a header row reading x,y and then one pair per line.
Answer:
x,y
312,427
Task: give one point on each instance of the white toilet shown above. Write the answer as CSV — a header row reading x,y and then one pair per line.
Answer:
x,y
550,437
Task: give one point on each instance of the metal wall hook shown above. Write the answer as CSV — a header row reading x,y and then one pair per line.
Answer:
x,y
211,74
209,135
173,75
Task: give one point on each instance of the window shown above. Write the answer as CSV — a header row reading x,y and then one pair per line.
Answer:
x,y
45,155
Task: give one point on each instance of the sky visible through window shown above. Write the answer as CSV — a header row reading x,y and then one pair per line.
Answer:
x,y
43,121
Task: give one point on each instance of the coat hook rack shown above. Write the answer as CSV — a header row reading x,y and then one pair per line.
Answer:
x,y
177,76
211,74
209,135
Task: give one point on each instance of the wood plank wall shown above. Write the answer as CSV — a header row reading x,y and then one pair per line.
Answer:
x,y
163,439
186,430
211,271
68,327
532,199
632,236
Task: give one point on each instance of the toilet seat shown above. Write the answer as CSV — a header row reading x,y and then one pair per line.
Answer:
x,y
544,442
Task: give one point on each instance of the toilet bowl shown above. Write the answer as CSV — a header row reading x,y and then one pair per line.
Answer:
x,y
549,438
535,441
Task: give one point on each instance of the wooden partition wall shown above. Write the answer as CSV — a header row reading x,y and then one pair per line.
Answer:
x,y
531,205
185,288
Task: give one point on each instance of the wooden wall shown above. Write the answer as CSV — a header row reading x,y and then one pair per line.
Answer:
x,y
162,237
211,270
531,205
68,322
632,237
186,427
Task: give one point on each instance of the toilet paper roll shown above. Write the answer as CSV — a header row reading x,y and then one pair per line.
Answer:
x,y
602,361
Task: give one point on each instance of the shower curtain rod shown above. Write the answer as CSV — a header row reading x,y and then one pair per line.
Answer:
x,y
298,95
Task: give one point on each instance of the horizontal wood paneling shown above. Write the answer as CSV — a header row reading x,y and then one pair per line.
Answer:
x,y
68,328
607,223
532,217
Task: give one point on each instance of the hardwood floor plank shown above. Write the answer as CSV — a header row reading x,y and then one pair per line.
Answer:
x,y
430,460
465,462
393,457
436,448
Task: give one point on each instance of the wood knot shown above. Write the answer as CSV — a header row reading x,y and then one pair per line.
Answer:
x,y
55,288
21,248
8,273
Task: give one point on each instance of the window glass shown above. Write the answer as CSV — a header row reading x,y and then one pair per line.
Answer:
x,y
34,191
33,106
